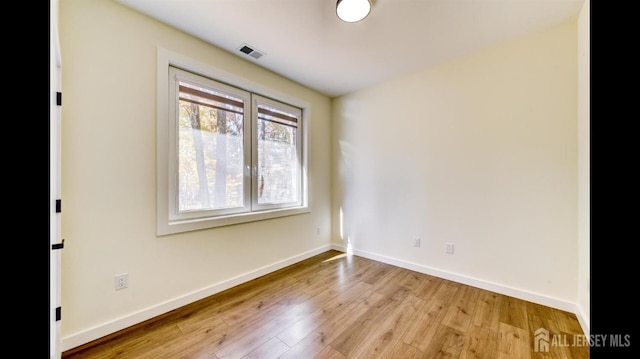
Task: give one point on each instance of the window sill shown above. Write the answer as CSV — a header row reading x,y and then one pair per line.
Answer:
x,y
213,222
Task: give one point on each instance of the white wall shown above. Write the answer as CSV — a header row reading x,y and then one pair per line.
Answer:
x,y
584,183
480,152
109,175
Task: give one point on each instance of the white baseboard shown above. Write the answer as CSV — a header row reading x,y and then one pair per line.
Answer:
x,y
86,336
474,282
584,323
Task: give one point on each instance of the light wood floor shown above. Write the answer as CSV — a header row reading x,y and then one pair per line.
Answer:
x,y
342,306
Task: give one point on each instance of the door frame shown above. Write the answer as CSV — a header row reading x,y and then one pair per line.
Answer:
x,y
55,345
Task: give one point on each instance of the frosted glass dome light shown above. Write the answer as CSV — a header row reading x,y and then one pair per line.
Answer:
x,y
353,10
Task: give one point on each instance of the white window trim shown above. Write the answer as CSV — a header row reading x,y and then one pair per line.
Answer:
x,y
164,225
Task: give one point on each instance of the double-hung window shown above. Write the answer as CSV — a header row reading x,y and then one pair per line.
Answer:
x,y
233,155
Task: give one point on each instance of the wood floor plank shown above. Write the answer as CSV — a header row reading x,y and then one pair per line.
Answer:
x,y
243,338
513,342
263,304
130,343
337,301
487,310
421,285
481,342
412,281
375,272
462,308
278,280
329,353
402,350
447,342
513,312
567,322
206,319
196,344
350,342
389,282
272,349
333,328
540,316
389,330
339,278
429,316
427,286
342,306
195,341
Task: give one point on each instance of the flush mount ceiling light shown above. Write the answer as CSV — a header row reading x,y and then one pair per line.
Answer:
x,y
353,10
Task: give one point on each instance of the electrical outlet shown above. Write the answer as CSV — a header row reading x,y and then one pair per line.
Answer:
x,y
417,241
122,281
449,248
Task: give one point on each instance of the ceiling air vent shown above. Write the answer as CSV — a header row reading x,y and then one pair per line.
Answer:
x,y
251,51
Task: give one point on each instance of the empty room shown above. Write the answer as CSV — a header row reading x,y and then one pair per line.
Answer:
x,y
278,179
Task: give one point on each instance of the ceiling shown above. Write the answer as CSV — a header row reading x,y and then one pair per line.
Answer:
x,y
304,40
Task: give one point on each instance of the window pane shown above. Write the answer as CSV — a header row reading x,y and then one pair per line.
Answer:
x,y
210,149
278,162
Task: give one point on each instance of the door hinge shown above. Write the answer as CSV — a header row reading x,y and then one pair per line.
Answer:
x,y
58,313
59,98
58,206
58,245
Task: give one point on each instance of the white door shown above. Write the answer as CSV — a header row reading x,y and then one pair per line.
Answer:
x,y
56,244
